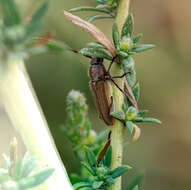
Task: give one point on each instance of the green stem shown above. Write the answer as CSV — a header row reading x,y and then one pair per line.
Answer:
x,y
24,111
118,128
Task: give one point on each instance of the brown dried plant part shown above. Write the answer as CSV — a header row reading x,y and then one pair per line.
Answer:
x,y
93,30
129,93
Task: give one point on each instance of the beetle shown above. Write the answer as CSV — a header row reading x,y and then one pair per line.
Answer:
x,y
100,88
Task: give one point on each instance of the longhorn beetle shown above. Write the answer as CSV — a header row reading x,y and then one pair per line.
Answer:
x,y
100,87
99,83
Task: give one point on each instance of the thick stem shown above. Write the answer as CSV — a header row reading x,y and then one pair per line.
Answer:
x,y
118,97
21,105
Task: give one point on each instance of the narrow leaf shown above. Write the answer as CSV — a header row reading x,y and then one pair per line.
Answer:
x,y
127,27
81,185
92,52
137,38
88,168
136,91
35,22
93,30
91,158
142,47
97,184
39,13
96,17
28,164
86,8
151,120
130,126
35,179
137,133
96,45
115,35
108,157
110,180
11,13
17,170
142,112
119,114
120,171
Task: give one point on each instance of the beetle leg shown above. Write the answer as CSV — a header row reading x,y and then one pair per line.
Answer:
x,y
118,87
121,76
111,63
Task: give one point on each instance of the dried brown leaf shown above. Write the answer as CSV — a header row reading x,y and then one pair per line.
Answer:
x,y
93,30
129,93
137,133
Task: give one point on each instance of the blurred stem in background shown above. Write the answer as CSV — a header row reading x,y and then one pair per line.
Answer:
x,y
24,111
17,94
118,99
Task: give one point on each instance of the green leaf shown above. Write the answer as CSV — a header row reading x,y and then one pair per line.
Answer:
x,y
88,168
7,161
151,120
138,119
136,91
17,170
142,112
122,54
137,38
129,125
115,35
35,21
28,164
119,114
36,17
136,187
127,65
97,184
120,171
127,27
91,158
96,45
96,17
99,53
35,179
108,157
110,180
10,12
86,8
142,47
75,178
81,185
56,46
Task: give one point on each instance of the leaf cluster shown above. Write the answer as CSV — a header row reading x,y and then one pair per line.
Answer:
x,y
14,32
19,173
100,175
104,8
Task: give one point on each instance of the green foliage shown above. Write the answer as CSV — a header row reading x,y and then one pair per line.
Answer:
x,y
17,174
14,33
131,116
100,175
108,7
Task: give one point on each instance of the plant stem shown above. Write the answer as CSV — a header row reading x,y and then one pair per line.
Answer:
x,y
118,98
24,111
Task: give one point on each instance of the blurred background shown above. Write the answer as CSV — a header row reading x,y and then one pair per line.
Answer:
x,y
164,151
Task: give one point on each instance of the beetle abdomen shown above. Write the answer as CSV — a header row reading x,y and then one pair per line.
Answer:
x,y
102,98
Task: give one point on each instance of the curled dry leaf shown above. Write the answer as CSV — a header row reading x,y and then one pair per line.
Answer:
x,y
93,30
137,133
129,93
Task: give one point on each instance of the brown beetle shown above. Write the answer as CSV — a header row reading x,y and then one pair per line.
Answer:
x,y
100,88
